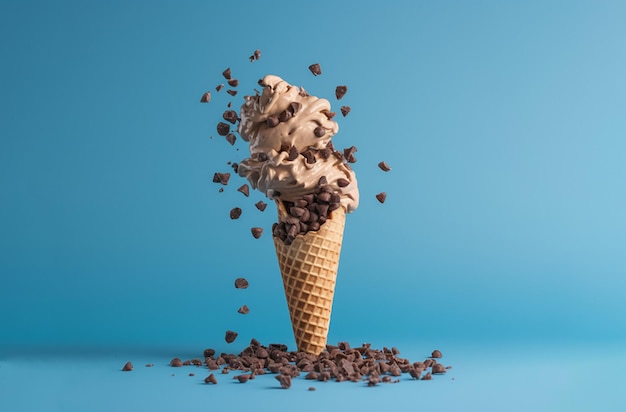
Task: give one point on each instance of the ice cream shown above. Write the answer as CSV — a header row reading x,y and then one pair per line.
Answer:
x,y
289,134
293,161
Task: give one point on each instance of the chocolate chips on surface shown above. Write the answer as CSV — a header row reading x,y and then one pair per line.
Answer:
x,y
223,129
221,178
245,189
211,379
128,366
436,354
244,310
285,381
261,205
226,73
176,363
316,69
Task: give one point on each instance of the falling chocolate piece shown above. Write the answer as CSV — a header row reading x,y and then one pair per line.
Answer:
x,y
384,166
244,310
231,92
219,87
244,189
316,69
427,377
241,283
341,91
261,205
349,154
242,378
256,232
257,54
382,196
206,97
235,213
231,138
221,178
345,110
223,129
230,116
226,74
233,82
230,336
128,366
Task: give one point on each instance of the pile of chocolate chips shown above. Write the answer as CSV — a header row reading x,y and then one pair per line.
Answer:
x,y
307,213
339,363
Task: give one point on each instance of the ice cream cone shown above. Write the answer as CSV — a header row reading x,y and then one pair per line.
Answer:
x,y
309,271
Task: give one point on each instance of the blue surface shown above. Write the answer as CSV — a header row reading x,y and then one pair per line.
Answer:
x,y
503,123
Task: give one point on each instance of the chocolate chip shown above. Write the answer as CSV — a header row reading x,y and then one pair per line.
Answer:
x,y
256,232
341,182
384,166
244,189
241,283
345,110
349,154
262,157
415,372
319,131
219,87
244,310
340,91
223,129
293,154
284,116
233,82
221,178
211,379
230,336
429,363
208,353
226,73
285,381
235,213
294,107
255,56
176,363
311,389
242,378
230,116
438,368
316,69
261,205
128,366
382,196
231,138
427,377
329,115
322,181
231,92
272,121
206,97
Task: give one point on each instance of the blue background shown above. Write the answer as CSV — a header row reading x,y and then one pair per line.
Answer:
x,y
503,123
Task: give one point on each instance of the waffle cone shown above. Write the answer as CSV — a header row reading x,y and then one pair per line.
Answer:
x,y
309,270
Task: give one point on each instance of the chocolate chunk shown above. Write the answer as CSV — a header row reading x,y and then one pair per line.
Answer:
x,y
230,116
293,153
284,116
244,189
230,336
294,107
382,196
429,363
176,363
384,166
244,310
316,69
311,389
206,97
221,189
128,366
233,82
242,378
341,182
223,129
211,379
329,115
231,138
235,213
219,87
322,181
340,91
285,381
256,232
309,156
415,372
221,178
262,353
427,377
208,353
349,154
241,283
438,368
345,110
436,354
261,205
272,121
319,131
231,92
226,73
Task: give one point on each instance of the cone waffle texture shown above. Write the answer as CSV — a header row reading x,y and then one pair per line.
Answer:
x,y
309,270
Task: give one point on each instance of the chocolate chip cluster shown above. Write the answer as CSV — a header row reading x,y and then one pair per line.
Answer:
x,y
307,213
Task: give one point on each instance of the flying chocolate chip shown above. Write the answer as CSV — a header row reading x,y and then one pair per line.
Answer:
x,y
206,97
244,189
316,69
382,196
345,110
219,87
221,178
223,129
384,166
230,116
128,366
340,91
436,354
319,131
231,92
285,381
231,138
233,82
211,379
230,336
226,74
235,213
256,232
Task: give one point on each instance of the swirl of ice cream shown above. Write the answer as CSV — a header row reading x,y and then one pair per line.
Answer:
x,y
289,134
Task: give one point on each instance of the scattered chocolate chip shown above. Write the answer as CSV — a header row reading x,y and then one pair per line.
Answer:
x,y
230,336
206,97
345,110
219,87
241,283
316,69
427,377
176,363
382,196
235,213
311,389
319,131
226,73
242,378
208,353
231,92
245,189
223,129
329,115
128,366
384,166
230,116
340,91
436,354
255,56
221,178
231,138
233,82
261,205
262,157
211,379
284,116
272,121
221,189
256,232
349,154
341,182
244,310
438,368
285,381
